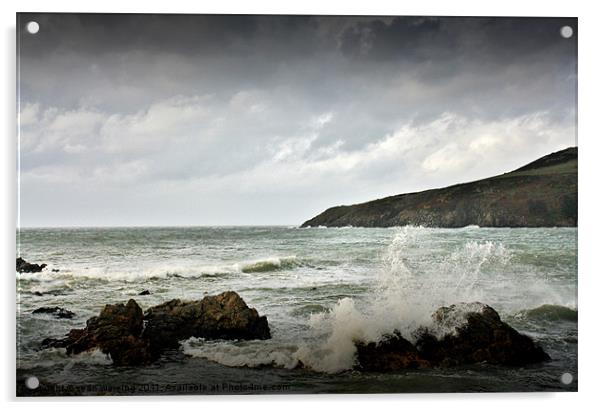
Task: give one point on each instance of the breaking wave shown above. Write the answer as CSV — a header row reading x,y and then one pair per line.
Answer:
x,y
128,274
268,264
549,313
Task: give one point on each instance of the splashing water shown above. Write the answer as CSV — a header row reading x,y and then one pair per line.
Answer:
x,y
403,297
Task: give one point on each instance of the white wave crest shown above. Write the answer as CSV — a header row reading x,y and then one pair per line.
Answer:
x,y
164,270
267,264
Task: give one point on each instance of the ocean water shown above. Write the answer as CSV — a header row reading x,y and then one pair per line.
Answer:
x,y
321,289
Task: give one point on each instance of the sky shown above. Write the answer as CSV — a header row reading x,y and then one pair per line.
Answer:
x,y
268,120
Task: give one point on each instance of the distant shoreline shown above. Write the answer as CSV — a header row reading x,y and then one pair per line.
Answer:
x,y
32,228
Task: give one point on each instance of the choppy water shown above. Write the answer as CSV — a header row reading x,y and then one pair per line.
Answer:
x,y
320,289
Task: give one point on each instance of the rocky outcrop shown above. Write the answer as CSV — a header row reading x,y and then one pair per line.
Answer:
x,y
25,267
225,316
461,334
133,338
542,193
117,332
54,311
476,334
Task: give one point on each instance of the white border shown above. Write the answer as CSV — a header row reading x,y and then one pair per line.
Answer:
x,y
590,230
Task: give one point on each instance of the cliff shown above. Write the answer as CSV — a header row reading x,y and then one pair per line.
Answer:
x,y
542,193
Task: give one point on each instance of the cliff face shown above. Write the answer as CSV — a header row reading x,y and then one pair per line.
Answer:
x,y
542,193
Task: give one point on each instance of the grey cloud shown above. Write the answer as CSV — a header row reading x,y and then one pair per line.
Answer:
x,y
234,108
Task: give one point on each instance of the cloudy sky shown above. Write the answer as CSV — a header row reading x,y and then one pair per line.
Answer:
x,y
260,120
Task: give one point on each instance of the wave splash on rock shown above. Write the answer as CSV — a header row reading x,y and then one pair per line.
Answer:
x,y
398,314
472,333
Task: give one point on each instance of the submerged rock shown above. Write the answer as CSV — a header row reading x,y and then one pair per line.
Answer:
x,y
133,338
55,311
462,334
144,293
51,293
53,342
25,267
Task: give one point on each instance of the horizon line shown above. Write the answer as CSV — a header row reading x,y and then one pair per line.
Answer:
x,y
154,226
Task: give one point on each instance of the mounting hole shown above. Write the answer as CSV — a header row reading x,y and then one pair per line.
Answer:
x,y
32,382
566,32
566,378
33,27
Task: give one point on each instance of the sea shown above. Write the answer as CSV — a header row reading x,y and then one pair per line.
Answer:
x,y
322,289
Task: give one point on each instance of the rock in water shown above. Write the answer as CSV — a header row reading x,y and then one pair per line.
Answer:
x,y
119,330
25,267
392,353
465,333
225,316
56,311
116,332
475,333
145,292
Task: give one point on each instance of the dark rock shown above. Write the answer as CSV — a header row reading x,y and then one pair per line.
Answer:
x,y
55,270
475,333
53,342
65,342
25,267
120,330
225,316
116,332
53,293
144,292
390,354
55,311
462,334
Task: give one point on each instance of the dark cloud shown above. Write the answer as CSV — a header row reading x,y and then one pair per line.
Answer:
x,y
242,107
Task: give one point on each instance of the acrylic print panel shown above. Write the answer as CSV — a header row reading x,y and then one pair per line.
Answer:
x,y
215,204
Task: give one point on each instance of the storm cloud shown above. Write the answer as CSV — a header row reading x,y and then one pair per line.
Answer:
x,y
226,120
